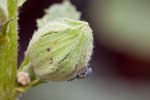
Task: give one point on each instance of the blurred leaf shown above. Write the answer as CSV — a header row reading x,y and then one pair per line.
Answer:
x,y
64,10
21,2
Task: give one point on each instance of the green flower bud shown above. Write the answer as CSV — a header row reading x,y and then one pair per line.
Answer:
x,y
59,50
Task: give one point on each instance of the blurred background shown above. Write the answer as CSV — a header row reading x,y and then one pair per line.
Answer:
x,y
121,59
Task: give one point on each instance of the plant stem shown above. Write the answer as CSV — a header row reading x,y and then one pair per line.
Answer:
x,y
8,57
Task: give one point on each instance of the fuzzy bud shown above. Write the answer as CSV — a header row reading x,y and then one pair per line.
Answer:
x,y
60,49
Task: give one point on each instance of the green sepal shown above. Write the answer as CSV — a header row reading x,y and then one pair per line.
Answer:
x,y
5,27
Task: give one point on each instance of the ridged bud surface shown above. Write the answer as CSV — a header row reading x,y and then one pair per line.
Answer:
x,y
60,49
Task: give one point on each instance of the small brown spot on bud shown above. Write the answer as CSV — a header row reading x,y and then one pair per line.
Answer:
x,y
51,60
48,49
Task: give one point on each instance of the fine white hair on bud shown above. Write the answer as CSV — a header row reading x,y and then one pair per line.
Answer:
x,y
23,78
59,50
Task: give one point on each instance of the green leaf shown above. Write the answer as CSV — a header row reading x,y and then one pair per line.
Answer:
x,y
3,11
5,28
21,2
64,10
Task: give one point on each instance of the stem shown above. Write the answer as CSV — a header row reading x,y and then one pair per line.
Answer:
x,y
8,57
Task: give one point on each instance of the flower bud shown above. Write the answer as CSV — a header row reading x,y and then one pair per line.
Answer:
x,y
60,49
23,78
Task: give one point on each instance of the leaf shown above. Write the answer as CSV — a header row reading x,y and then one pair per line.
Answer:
x,y
64,10
21,2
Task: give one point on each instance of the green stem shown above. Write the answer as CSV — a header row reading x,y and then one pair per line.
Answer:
x,y
8,57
